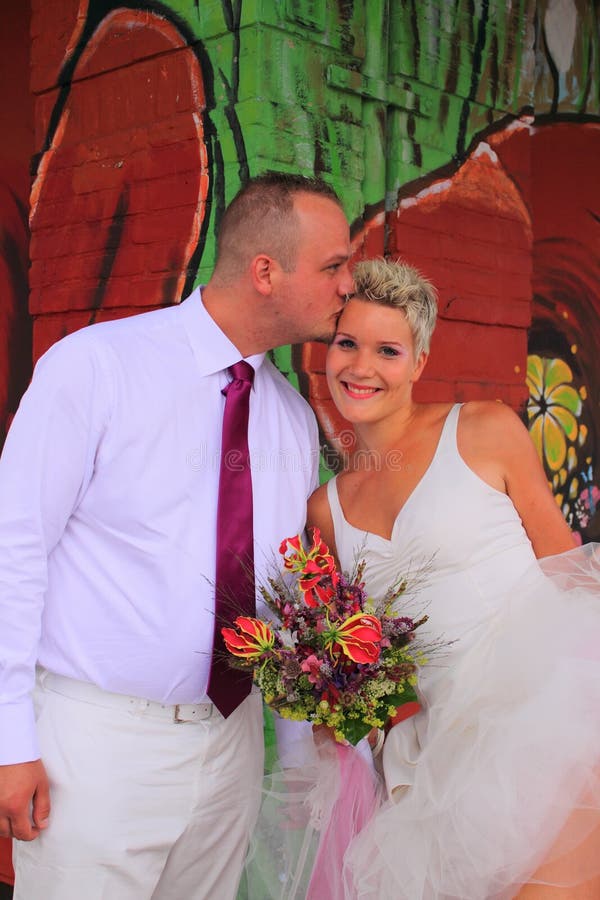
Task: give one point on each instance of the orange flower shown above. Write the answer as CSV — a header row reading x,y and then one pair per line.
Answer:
x,y
253,639
318,593
317,576
295,544
359,638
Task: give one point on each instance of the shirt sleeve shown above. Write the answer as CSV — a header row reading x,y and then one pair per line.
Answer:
x,y
46,465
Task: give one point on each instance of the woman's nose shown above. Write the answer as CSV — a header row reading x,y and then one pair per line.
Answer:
x,y
362,364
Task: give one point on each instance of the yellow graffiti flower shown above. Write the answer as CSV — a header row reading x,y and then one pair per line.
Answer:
x,y
554,405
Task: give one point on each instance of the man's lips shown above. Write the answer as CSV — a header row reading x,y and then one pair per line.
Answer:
x,y
359,391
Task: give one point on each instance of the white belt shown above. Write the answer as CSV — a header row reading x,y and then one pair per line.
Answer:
x,y
90,693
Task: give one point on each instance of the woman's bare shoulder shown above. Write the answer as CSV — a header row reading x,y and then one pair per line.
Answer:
x,y
492,441
488,412
492,423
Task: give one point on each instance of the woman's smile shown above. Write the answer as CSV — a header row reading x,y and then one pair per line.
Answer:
x,y
359,391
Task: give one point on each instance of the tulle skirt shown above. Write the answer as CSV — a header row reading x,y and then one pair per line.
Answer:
x,y
494,784
309,817
497,782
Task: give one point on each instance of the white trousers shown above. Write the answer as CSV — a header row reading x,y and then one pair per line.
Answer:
x,y
143,808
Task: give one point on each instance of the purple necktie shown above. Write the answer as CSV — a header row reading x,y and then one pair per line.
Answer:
x,y
235,592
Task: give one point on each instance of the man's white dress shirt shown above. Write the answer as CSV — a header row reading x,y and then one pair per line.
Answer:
x,y
108,496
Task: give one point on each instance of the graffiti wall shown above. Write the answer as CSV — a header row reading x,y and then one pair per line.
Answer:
x,y
486,169
461,135
16,125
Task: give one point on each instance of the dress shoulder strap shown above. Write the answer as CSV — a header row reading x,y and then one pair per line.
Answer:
x,y
447,444
344,534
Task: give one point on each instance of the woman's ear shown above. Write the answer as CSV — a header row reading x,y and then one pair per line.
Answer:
x,y
262,269
419,366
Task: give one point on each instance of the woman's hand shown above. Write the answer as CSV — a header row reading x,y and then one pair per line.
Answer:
x,y
376,739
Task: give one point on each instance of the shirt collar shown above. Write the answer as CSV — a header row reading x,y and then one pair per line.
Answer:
x,y
212,348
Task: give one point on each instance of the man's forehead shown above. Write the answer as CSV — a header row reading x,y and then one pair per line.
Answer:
x,y
316,204
324,223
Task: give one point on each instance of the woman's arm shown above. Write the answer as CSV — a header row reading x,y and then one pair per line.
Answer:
x,y
498,447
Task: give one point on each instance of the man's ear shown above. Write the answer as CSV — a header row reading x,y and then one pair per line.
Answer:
x,y
419,366
262,270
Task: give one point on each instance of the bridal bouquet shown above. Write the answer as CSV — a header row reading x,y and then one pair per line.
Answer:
x,y
330,655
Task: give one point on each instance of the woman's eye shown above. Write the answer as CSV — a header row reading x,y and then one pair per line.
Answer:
x,y
345,344
389,351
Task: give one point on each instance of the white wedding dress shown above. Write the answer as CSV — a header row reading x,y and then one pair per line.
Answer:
x,y
499,772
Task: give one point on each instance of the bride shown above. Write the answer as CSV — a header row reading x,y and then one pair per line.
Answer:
x,y
493,787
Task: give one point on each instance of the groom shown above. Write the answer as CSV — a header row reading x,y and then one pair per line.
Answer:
x,y
121,773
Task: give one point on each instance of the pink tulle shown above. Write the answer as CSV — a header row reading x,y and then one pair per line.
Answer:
x,y
355,804
313,809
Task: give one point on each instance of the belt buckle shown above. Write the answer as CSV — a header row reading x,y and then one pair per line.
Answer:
x,y
176,717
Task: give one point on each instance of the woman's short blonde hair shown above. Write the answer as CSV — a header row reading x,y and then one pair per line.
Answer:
x,y
403,287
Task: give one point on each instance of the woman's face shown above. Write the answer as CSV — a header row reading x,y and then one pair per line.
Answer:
x,y
371,364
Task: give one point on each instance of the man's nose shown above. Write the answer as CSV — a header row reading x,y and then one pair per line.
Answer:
x,y
346,283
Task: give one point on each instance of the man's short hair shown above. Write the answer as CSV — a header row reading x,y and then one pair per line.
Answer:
x,y
261,219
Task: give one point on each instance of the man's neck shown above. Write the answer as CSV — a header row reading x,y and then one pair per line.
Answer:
x,y
238,315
